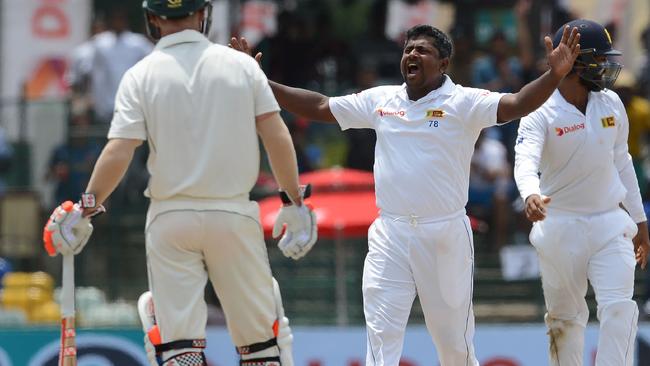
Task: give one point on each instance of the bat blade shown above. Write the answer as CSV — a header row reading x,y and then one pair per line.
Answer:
x,y
68,352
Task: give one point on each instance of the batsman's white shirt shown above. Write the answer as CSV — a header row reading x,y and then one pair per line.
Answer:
x,y
583,160
424,147
195,134
195,103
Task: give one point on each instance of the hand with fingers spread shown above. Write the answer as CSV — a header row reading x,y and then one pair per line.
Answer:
x,y
561,58
536,207
242,45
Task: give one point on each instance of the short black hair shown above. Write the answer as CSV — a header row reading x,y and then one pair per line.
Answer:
x,y
441,41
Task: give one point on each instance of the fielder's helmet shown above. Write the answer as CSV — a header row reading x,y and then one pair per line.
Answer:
x,y
175,9
595,42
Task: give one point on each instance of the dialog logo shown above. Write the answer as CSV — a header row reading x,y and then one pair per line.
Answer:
x,y
385,112
561,131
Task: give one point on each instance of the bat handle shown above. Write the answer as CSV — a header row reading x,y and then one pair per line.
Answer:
x,y
67,287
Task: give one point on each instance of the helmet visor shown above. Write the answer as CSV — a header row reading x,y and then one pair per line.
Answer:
x,y
602,71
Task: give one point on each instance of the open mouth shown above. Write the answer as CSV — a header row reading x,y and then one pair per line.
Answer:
x,y
412,69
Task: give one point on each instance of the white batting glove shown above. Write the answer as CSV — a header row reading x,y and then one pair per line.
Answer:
x,y
67,231
151,332
300,232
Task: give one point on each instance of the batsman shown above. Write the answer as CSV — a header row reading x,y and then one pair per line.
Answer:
x,y
200,107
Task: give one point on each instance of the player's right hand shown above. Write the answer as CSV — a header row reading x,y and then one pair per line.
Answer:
x,y
67,231
241,45
300,231
536,207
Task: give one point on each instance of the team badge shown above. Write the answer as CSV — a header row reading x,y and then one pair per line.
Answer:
x,y
435,113
608,121
174,3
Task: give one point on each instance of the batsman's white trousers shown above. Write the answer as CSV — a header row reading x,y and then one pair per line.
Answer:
x,y
596,248
185,248
433,258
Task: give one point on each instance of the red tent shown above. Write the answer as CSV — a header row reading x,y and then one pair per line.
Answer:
x,y
339,179
339,214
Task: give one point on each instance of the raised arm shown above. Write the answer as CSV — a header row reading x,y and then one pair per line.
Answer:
x,y
535,93
302,102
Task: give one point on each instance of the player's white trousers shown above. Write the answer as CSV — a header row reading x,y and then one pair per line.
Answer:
x,y
433,259
184,249
596,248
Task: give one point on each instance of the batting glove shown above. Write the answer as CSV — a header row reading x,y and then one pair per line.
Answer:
x,y
67,231
299,224
151,331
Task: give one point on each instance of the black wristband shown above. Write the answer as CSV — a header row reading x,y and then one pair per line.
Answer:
x,y
305,192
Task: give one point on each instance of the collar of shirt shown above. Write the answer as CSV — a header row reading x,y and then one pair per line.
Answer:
x,y
557,101
447,88
185,36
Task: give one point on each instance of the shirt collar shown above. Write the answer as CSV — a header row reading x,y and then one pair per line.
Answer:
x,y
446,88
185,36
557,101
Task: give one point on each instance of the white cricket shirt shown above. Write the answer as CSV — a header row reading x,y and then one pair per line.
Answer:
x,y
424,147
195,103
583,160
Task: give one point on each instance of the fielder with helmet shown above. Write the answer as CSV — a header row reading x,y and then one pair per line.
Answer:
x,y
575,174
200,106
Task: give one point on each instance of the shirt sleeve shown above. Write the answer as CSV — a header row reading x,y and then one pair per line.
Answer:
x,y
531,137
481,106
265,101
128,118
353,110
623,161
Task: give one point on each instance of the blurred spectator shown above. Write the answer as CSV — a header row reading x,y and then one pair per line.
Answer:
x,y
298,131
461,68
288,55
638,114
644,76
71,163
499,71
97,69
525,46
5,267
331,57
375,49
6,159
491,187
103,60
81,63
361,141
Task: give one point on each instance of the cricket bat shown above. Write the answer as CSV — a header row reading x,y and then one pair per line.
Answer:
x,y
68,351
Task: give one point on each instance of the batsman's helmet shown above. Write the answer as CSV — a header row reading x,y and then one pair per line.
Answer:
x,y
595,42
175,9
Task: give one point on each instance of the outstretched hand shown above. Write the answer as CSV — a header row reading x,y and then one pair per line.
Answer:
x,y
561,58
241,45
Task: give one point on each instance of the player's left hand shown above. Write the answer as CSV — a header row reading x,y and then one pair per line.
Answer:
x,y
300,231
67,231
561,58
642,244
